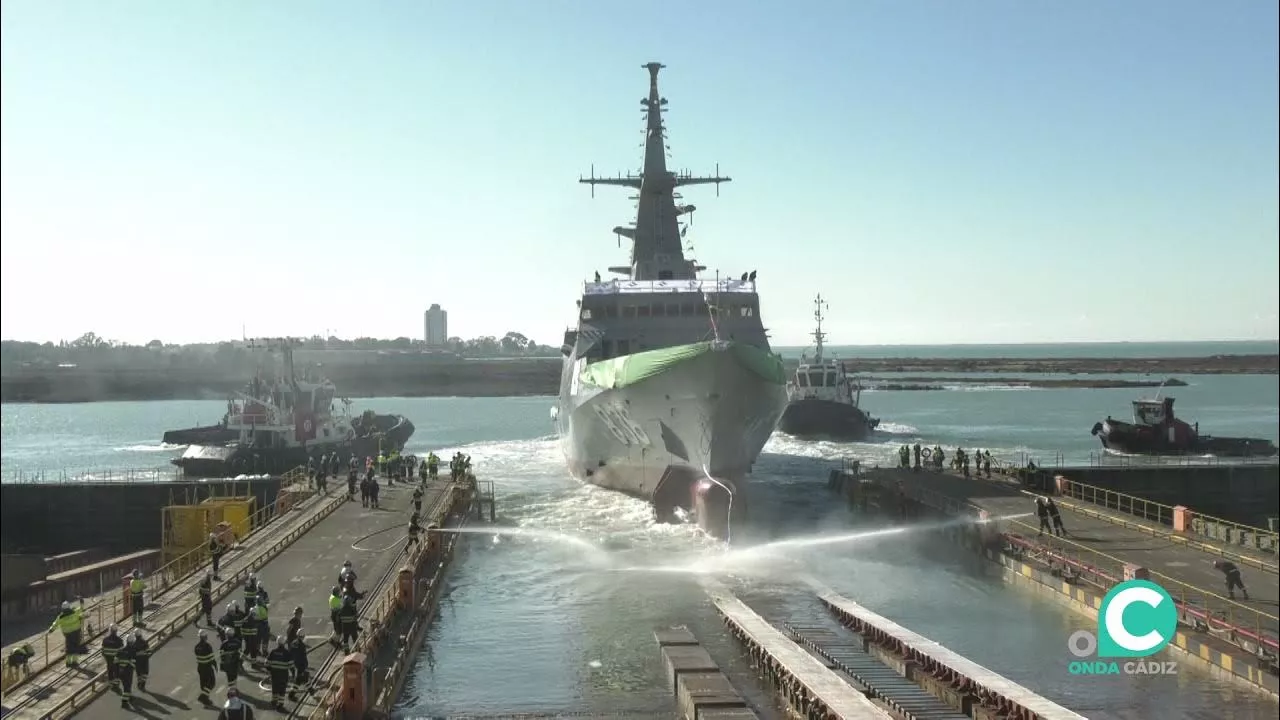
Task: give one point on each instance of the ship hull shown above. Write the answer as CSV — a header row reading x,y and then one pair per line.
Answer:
x,y
709,413
813,418
231,460
205,435
1131,439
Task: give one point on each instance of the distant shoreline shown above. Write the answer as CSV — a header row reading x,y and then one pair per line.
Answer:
x,y
541,376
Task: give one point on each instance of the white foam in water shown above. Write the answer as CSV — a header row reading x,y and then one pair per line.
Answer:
x,y
162,447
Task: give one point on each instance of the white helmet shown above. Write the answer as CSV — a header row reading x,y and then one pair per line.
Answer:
x,y
66,605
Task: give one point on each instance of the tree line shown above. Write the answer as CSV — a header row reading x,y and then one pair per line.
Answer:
x,y
93,349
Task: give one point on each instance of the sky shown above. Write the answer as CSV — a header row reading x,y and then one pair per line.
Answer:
x,y
994,171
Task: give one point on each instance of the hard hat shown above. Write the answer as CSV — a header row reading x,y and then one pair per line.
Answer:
x,y
66,605
111,629
280,641
137,572
297,610
203,634
336,590
137,634
253,576
346,564
231,606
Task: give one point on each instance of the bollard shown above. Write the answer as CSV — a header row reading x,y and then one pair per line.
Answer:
x,y
405,596
1061,485
126,604
1181,518
988,533
354,690
1136,572
433,538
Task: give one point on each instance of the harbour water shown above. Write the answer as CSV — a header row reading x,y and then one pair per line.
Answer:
x,y
535,623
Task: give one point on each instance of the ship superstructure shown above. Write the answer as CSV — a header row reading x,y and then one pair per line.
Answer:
x,y
669,389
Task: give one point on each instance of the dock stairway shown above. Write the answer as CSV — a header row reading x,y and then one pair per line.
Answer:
x,y
844,651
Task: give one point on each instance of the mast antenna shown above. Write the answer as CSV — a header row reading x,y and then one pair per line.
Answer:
x,y
818,336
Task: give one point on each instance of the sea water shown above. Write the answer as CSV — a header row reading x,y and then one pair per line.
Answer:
x,y
558,613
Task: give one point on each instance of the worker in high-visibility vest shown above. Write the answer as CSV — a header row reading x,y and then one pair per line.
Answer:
x,y
70,621
136,589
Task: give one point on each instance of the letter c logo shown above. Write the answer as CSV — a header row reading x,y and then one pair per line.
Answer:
x,y
1136,619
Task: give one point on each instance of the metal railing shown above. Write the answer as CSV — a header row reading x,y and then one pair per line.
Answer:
x,y
1102,459
1238,534
107,475
96,684
1220,615
109,606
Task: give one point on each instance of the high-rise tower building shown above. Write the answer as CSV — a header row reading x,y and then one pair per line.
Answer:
x,y
435,324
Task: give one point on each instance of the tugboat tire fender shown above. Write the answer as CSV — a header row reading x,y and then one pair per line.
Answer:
x,y
926,453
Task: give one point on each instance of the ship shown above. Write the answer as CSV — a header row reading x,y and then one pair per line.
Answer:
x,y
822,399
281,423
669,388
1155,430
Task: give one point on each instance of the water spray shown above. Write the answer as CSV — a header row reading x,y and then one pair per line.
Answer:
x,y
728,523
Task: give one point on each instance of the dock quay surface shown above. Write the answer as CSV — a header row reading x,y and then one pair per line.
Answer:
x,y
1099,550
171,589
301,571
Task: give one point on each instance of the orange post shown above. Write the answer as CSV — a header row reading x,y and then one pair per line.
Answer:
x,y
405,585
433,538
354,688
126,602
1060,484
1181,518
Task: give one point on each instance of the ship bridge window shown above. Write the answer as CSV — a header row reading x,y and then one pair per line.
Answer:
x,y
831,379
665,275
687,309
611,311
643,310
586,313
746,311
802,380
628,311
659,310
815,378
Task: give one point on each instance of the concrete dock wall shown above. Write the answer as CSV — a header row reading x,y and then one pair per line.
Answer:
x,y
1246,494
49,519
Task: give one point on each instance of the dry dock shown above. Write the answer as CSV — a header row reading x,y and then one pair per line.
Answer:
x,y
1100,549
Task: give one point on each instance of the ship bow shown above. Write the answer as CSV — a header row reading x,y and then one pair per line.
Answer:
x,y
656,424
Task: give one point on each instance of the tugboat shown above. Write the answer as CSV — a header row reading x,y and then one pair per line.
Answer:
x,y
218,434
822,400
1155,431
282,424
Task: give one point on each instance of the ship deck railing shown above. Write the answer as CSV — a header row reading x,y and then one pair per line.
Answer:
x,y
687,285
58,476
